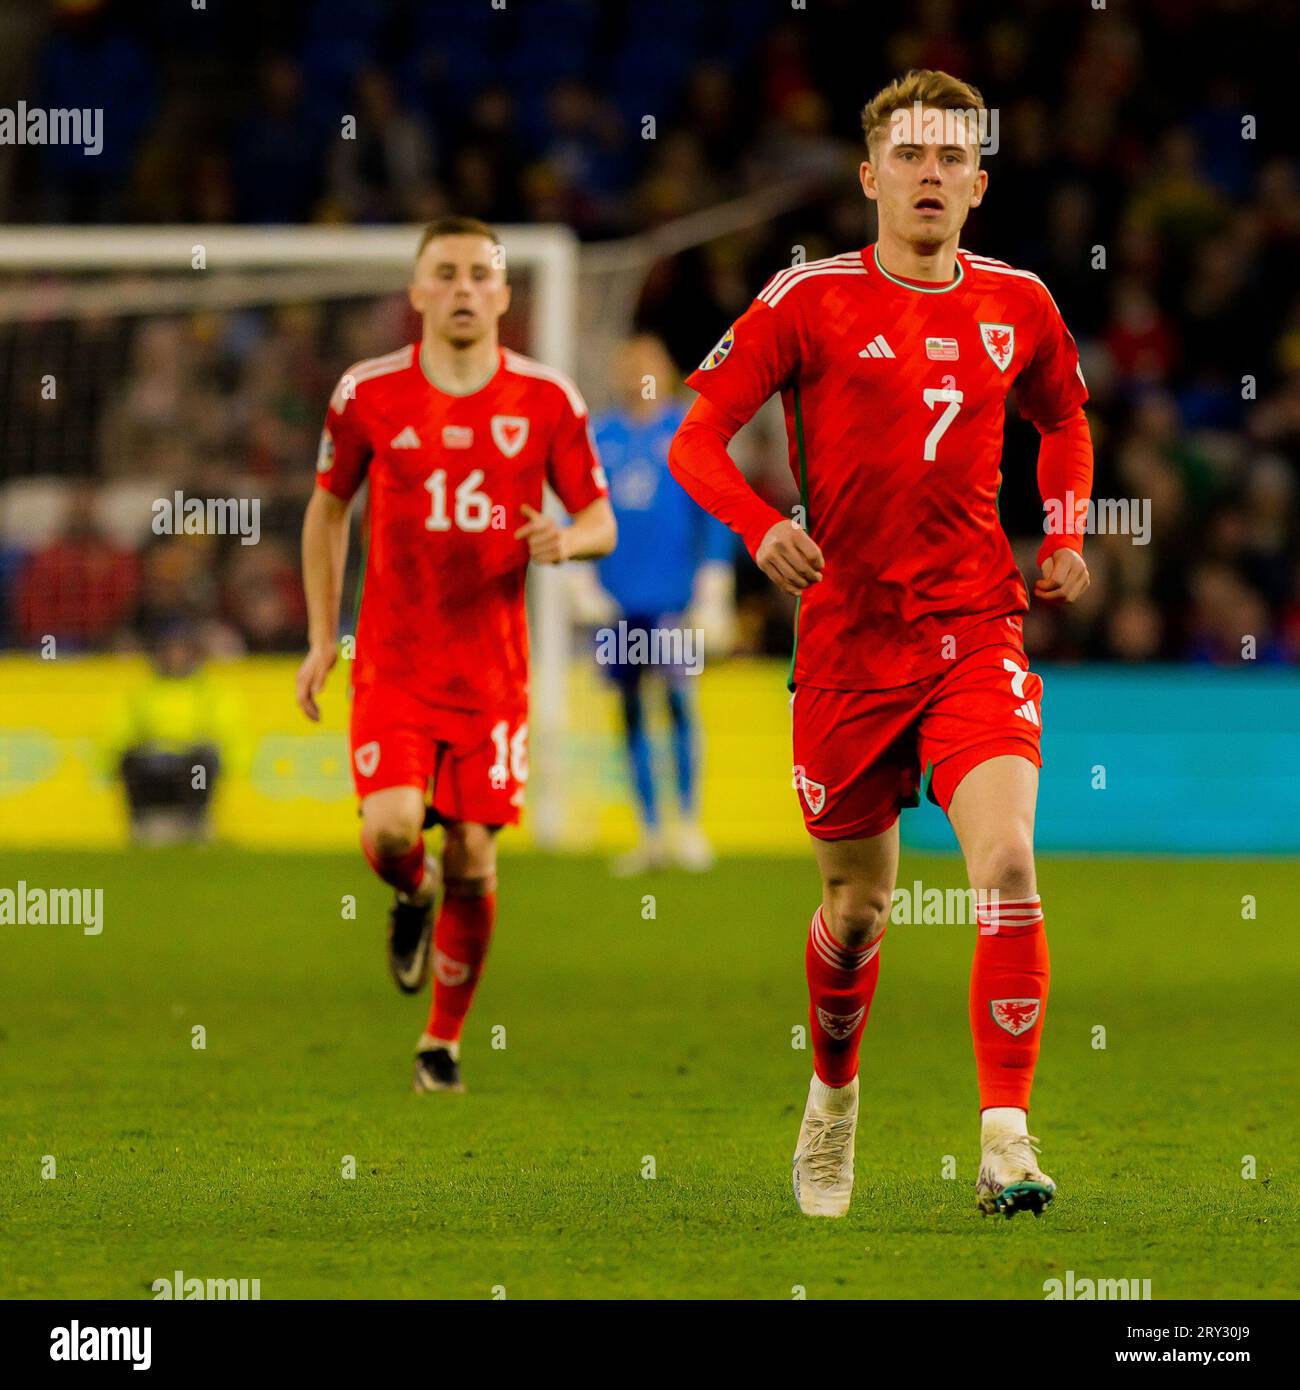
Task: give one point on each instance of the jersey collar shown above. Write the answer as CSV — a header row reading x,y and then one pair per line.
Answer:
x,y
916,285
446,391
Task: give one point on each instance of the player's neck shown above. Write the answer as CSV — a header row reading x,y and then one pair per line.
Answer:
x,y
459,371
938,265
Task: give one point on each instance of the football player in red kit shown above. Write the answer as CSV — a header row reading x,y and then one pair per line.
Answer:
x,y
456,437
894,364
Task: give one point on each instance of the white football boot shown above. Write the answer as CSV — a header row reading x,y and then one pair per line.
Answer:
x,y
691,849
1010,1179
823,1158
650,855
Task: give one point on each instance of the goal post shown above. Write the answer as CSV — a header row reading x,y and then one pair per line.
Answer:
x,y
71,274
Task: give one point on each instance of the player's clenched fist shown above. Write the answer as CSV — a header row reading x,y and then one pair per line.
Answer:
x,y
316,666
545,536
1065,577
790,558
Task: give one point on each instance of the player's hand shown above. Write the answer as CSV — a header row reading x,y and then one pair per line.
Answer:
x,y
1065,577
316,666
547,539
790,558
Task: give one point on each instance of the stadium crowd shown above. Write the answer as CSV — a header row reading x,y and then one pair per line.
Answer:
x,y
1152,190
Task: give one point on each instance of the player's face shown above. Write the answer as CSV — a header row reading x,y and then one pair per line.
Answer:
x,y
459,288
924,189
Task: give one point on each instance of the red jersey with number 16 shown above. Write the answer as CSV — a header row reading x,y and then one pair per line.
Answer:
x,y
442,611
894,394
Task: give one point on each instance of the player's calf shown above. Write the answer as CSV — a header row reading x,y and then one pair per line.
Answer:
x,y
461,941
393,842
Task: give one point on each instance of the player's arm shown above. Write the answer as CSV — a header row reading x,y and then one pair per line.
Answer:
x,y
1051,394
1065,483
761,353
592,533
700,462
573,470
341,466
324,554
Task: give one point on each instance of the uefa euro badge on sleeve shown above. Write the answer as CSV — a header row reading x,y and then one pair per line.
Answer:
x,y
720,351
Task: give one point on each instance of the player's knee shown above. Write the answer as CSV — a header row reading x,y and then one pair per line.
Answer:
x,y
856,916
469,856
393,837
391,830
1006,865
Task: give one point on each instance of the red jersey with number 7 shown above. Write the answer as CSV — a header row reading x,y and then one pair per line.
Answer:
x,y
894,394
442,611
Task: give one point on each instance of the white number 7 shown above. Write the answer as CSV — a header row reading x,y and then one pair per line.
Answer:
x,y
1018,676
932,395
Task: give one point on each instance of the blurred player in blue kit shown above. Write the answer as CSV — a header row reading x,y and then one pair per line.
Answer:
x,y
669,584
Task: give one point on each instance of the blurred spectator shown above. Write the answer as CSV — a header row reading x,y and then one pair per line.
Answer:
x,y
80,588
174,736
278,151
91,62
381,175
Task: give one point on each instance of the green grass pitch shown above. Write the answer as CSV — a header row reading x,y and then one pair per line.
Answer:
x,y
628,1042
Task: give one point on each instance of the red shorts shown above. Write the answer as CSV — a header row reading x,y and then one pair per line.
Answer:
x,y
474,765
859,754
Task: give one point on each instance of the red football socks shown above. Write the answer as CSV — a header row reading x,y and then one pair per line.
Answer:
x,y
841,983
460,945
1008,996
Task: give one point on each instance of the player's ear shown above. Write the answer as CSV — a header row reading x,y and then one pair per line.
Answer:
x,y
981,183
505,297
413,294
867,177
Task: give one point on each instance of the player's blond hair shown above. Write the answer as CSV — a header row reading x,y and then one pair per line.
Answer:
x,y
455,226
919,87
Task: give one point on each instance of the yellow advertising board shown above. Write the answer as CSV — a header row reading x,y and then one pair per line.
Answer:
x,y
287,782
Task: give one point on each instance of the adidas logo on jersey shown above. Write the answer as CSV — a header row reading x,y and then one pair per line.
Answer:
x,y
877,347
405,439
1027,711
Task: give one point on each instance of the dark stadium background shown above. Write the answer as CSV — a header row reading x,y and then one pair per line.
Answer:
x,y
1121,130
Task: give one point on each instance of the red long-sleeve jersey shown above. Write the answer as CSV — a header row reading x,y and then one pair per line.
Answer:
x,y
894,394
